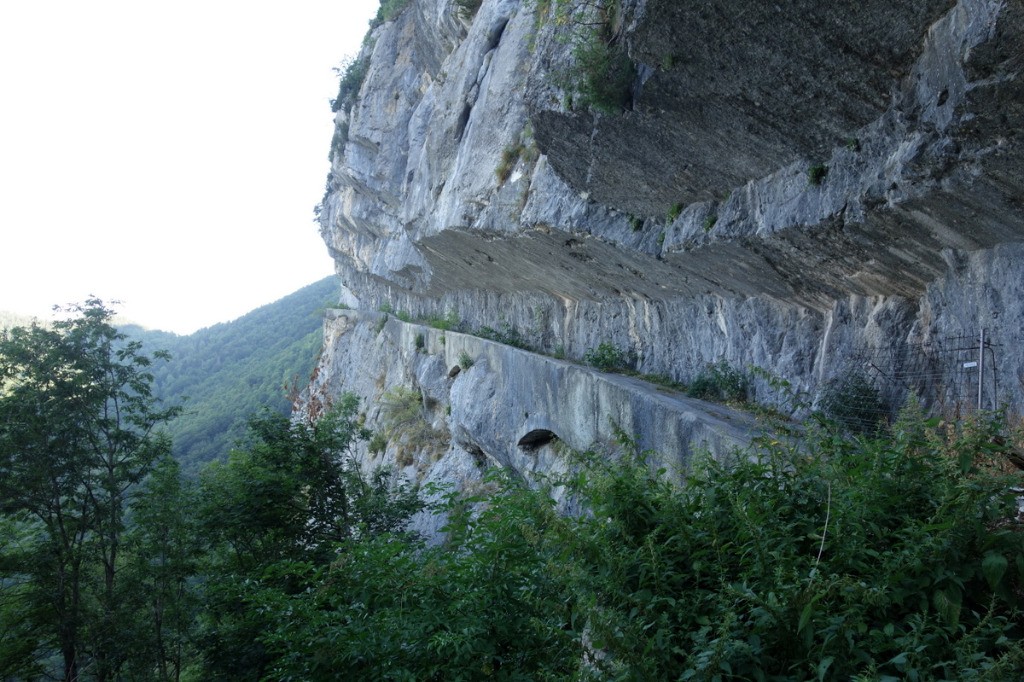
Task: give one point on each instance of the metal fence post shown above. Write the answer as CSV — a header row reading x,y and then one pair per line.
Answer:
x,y
981,366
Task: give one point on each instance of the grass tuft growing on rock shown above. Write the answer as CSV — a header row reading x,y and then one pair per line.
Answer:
x,y
510,156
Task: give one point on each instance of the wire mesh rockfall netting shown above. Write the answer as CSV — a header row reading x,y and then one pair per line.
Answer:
x,y
952,376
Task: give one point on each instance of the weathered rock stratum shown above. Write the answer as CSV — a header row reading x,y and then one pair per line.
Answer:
x,y
814,190
485,403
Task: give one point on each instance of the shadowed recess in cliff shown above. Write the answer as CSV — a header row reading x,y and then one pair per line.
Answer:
x,y
537,438
738,89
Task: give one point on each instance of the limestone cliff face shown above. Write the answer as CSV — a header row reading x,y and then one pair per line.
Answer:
x,y
485,403
786,185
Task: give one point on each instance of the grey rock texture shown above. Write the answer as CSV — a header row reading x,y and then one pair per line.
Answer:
x,y
510,407
737,90
812,190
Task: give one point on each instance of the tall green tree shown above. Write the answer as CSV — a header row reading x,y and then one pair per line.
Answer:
x,y
286,504
77,422
160,597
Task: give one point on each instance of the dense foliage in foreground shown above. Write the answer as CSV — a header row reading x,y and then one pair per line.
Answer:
x,y
832,558
895,558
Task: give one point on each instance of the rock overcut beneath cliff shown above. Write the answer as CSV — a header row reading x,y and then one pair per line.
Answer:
x,y
478,403
806,189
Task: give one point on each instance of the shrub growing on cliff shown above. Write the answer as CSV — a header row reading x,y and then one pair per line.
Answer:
x,y
606,73
450,321
674,211
352,73
606,357
603,74
720,382
816,174
378,444
407,425
402,413
508,335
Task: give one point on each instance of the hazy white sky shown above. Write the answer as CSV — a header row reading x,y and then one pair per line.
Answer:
x,y
166,154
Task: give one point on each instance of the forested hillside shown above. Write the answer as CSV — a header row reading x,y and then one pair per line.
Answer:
x,y
227,372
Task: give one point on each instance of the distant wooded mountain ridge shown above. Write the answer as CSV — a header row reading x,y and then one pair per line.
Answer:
x,y
9,319
225,373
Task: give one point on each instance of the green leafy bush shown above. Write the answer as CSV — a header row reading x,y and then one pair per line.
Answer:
x,y
606,357
403,415
603,73
465,360
607,73
824,558
720,382
836,560
378,444
492,602
291,500
407,425
816,174
351,74
450,321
